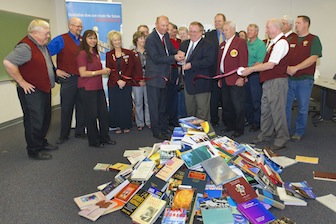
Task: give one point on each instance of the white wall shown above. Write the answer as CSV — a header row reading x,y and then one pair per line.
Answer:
x,y
10,105
137,12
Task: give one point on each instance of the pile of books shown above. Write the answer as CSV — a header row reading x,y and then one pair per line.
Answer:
x,y
196,177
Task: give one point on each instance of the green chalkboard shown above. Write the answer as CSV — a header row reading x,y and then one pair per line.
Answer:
x,y
14,28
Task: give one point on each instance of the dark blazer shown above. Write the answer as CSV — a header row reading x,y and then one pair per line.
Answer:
x,y
201,61
157,60
126,66
212,37
236,56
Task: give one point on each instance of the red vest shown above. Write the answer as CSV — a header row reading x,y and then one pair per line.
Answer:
x,y
279,70
35,71
300,52
66,59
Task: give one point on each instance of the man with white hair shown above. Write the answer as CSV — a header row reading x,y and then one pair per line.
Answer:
x,y
232,55
273,74
30,65
287,27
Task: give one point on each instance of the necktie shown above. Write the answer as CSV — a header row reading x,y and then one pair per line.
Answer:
x,y
220,38
163,42
190,51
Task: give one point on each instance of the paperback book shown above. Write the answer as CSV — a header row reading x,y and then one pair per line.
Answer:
x,y
89,199
192,122
174,216
255,212
149,211
194,157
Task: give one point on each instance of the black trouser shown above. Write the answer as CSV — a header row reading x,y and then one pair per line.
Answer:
x,y
36,108
172,97
94,102
215,99
157,104
69,100
233,99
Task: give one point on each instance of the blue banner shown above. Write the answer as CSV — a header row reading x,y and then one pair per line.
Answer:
x,y
99,16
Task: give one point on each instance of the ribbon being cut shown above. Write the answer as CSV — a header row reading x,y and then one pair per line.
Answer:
x,y
238,70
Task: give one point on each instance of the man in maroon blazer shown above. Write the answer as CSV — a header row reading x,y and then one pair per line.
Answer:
x,y
232,54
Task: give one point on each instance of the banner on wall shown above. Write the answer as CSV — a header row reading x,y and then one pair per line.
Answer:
x,y
101,17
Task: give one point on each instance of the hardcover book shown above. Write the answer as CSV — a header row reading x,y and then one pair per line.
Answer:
x,y
255,212
183,198
324,176
299,189
218,170
194,157
240,190
269,198
192,122
195,179
228,145
217,215
171,216
208,129
156,183
89,199
169,169
149,211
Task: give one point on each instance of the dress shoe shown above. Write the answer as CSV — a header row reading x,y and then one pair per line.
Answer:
x,y
50,147
296,138
109,142
61,141
101,145
81,136
237,134
277,147
255,127
160,136
40,155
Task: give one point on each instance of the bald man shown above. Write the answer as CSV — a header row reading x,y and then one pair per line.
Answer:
x,y
65,46
160,55
273,74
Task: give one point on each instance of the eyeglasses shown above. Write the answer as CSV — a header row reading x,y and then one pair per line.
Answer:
x,y
80,27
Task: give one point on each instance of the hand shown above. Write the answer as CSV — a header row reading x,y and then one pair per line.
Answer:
x,y
186,66
240,82
107,71
142,83
121,83
62,74
179,57
27,87
246,71
291,70
181,53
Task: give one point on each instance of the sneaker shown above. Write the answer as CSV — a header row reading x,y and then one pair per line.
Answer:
x,y
296,138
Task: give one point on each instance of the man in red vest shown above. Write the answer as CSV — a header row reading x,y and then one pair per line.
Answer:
x,y
304,52
31,67
273,74
65,46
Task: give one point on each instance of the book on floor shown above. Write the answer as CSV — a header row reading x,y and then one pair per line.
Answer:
x,y
228,145
282,161
307,159
269,198
128,191
89,199
328,200
183,198
240,190
195,179
144,171
255,212
299,189
218,170
192,122
102,167
113,188
217,215
208,129
135,202
318,175
193,158
289,199
119,166
174,216
149,211
169,169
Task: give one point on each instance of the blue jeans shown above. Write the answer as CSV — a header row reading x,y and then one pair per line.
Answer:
x,y
301,91
253,99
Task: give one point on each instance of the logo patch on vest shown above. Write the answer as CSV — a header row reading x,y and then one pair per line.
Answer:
x,y
305,43
234,53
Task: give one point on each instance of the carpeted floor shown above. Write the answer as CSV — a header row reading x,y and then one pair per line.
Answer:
x,y
34,192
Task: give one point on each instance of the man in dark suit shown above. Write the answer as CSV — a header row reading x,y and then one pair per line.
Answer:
x,y
232,55
199,60
160,55
216,37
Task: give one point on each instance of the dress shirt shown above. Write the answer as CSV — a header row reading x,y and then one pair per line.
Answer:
x,y
56,45
226,47
280,49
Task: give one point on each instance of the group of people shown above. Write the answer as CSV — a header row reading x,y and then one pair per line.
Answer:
x,y
164,77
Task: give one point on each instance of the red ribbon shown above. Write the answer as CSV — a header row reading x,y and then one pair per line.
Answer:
x,y
143,78
214,77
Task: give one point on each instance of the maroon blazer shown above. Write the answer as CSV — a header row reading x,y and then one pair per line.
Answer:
x,y
137,69
236,56
126,66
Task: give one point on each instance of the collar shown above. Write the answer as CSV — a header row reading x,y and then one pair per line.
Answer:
x,y
288,33
277,38
73,36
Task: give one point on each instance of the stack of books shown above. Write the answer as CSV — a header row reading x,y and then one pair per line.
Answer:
x,y
197,177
